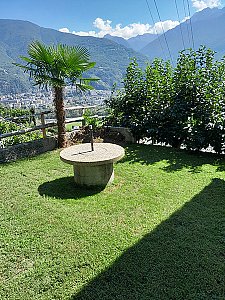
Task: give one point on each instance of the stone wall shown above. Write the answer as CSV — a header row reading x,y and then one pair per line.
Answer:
x,y
28,149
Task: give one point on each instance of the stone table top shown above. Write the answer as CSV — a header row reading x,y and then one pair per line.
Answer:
x,y
103,153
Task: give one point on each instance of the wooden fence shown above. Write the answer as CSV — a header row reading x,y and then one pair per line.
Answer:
x,y
43,126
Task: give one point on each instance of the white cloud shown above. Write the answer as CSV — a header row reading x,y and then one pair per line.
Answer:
x,y
185,19
159,27
85,33
201,4
104,27
66,30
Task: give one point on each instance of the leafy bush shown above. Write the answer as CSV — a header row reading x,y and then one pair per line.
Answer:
x,y
91,120
143,105
129,108
9,125
199,106
6,126
9,113
181,105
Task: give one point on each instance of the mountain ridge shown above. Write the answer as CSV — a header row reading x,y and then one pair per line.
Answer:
x,y
15,36
207,29
110,56
136,43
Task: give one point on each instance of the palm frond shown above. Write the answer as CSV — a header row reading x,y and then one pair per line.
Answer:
x,y
56,65
84,87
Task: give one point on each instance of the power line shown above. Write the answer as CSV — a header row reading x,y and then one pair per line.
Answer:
x,y
155,28
167,45
192,35
181,32
188,31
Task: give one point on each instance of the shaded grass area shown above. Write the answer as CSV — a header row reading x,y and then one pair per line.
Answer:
x,y
183,258
157,233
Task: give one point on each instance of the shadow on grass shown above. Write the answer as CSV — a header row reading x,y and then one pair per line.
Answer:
x,y
176,158
65,188
183,258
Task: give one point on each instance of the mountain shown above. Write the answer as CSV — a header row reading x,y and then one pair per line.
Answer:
x,y
118,40
112,54
207,28
136,43
140,41
15,36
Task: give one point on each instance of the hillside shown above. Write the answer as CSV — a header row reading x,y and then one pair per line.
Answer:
x,y
208,29
136,43
140,41
111,58
118,40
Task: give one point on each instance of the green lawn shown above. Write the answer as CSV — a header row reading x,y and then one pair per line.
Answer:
x,y
157,233
70,125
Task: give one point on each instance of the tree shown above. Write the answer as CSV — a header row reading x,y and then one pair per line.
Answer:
x,y
58,66
178,106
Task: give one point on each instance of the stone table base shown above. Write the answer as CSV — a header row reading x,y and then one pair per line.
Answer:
x,y
93,175
93,168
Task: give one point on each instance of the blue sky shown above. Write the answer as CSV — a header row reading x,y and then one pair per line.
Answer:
x,y
124,18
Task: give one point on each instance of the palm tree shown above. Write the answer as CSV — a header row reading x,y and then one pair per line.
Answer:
x,y
58,66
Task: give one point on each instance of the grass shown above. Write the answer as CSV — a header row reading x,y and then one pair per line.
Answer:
x,y
70,126
157,233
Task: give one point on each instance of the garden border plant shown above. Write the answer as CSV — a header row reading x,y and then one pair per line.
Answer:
x,y
182,105
14,119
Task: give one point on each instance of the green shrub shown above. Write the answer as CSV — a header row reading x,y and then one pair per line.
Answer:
x,y
199,106
181,105
128,109
8,125
91,120
7,112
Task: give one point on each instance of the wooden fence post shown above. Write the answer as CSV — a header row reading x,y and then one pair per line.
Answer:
x,y
32,116
43,125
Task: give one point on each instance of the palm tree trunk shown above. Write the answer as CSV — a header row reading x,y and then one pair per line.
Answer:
x,y
60,116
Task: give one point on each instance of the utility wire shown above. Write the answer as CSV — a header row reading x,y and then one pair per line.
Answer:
x,y
155,28
167,45
192,35
188,31
181,32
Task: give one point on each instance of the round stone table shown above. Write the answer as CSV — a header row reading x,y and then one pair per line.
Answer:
x,y
93,168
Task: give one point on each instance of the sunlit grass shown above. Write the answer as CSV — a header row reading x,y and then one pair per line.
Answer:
x,y
59,241
69,127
